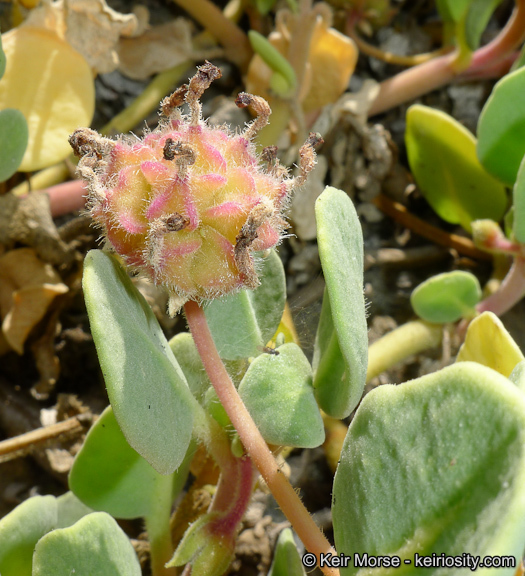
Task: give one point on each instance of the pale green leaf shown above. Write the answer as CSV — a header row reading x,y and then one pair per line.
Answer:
x,y
342,338
277,390
146,387
436,465
241,324
446,297
95,545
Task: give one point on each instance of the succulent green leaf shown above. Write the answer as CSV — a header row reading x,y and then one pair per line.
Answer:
x,y
70,510
147,389
328,362
185,351
13,141
264,6
278,392
436,465
94,545
286,560
517,376
452,10
447,297
241,324
520,60
21,529
488,342
442,157
519,205
275,60
216,409
109,476
342,337
478,16
501,126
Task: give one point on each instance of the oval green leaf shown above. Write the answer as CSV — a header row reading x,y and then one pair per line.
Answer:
x,y
70,510
21,529
342,338
146,387
478,16
286,559
518,204
14,135
501,126
244,322
277,390
447,297
442,157
94,545
187,355
452,10
436,465
109,476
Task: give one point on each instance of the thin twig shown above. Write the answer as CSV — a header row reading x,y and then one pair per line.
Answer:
x,y
21,445
400,214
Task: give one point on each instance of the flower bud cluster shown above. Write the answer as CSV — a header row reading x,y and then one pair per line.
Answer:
x,y
189,204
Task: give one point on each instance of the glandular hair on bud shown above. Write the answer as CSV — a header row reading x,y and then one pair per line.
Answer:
x,y
188,205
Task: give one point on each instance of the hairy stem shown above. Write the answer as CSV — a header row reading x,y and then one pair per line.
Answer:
x,y
253,442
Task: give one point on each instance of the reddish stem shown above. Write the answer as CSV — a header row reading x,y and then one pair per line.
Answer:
x,y
233,495
510,292
435,73
253,442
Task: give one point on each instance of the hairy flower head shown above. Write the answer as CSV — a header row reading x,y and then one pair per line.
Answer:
x,y
189,204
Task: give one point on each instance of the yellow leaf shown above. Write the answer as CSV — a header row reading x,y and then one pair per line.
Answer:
x,y
332,58
27,288
487,342
331,61
52,85
29,306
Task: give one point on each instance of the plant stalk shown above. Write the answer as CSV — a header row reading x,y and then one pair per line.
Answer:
x,y
227,33
253,442
158,528
406,340
510,292
435,73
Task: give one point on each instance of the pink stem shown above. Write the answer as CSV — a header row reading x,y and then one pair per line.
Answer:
x,y
510,292
233,494
435,73
67,197
253,442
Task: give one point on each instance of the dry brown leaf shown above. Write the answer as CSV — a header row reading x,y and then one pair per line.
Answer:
x,y
157,49
28,221
90,26
27,288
